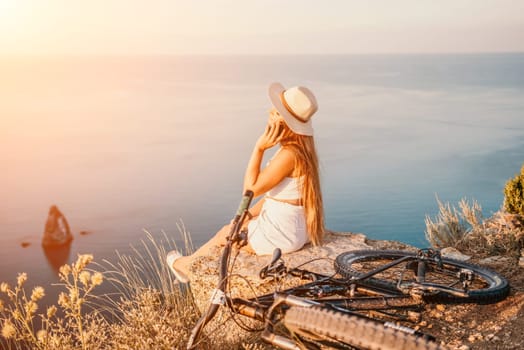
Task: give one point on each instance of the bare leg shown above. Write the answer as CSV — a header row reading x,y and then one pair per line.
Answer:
x,y
182,264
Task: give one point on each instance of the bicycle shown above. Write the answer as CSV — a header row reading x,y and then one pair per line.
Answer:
x,y
333,312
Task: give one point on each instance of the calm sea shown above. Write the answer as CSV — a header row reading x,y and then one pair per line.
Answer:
x,y
123,144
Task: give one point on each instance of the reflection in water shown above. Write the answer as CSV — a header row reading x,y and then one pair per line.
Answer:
x,y
56,242
57,255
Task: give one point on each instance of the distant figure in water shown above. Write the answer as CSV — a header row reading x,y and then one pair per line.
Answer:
x,y
57,230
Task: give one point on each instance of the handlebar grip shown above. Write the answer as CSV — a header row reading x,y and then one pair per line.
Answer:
x,y
245,202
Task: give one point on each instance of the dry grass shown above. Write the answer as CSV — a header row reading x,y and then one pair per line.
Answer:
x,y
146,311
447,228
467,229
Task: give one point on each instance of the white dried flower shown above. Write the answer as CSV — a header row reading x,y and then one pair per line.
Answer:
x,y
41,335
4,287
8,330
17,315
37,294
97,279
30,308
20,280
84,277
51,311
63,299
65,270
82,261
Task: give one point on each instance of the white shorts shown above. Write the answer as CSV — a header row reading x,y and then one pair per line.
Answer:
x,y
279,225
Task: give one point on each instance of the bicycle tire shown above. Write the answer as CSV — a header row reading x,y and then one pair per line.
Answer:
x,y
352,330
494,286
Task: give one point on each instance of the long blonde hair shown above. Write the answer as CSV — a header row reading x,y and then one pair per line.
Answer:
x,y
306,165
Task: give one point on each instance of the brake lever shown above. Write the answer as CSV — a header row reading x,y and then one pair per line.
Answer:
x,y
277,253
275,268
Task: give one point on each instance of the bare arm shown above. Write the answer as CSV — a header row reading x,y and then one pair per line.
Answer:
x,y
261,181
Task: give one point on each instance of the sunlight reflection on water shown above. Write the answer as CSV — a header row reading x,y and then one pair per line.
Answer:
x,y
122,144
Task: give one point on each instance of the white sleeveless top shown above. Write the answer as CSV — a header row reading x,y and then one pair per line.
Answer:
x,y
279,224
288,189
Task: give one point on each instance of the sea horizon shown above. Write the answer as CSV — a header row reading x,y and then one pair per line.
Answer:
x,y
127,144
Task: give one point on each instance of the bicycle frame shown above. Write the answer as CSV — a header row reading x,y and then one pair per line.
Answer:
x,y
420,286
218,297
312,294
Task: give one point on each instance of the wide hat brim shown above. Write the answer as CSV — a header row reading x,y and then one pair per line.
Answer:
x,y
297,126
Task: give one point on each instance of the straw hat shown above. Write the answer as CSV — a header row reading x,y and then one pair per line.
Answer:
x,y
296,105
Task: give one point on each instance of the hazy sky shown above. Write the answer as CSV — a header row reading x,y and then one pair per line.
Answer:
x,y
260,27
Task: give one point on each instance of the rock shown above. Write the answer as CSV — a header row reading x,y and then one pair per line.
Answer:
x,y
57,232
437,314
496,260
247,284
453,253
473,337
521,261
204,270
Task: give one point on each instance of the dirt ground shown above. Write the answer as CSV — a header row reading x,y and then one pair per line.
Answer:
x,y
493,326
471,326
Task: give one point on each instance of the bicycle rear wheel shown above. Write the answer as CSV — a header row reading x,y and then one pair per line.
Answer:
x,y
347,330
486,286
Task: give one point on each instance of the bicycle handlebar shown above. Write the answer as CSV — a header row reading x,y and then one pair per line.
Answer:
x,y
218,295
245,202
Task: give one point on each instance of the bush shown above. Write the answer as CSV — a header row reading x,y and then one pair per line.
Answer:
x,y
514,194
448,228
467,230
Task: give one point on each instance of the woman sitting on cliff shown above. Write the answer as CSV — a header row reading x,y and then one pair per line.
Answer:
x,y
291,212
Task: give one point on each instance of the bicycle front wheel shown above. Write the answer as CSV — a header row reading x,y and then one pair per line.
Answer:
x,y
343,330
486,286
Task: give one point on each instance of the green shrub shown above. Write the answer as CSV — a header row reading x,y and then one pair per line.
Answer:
x,y
514,194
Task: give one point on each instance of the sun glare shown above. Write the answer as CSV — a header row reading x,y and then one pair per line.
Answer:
x,y
6,7
9,10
